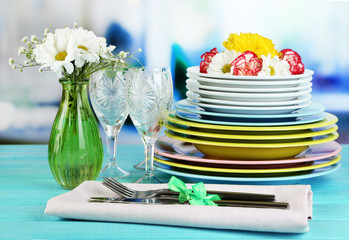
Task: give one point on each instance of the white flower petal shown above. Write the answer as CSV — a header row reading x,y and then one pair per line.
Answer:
x,y
69,67
220,60
79,62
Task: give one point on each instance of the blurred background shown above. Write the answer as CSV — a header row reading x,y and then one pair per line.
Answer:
x,y
172,33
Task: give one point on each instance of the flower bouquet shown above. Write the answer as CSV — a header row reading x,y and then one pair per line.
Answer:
x,y
75,150
250,54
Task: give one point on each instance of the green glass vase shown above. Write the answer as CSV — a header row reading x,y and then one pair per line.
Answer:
x,y
75,150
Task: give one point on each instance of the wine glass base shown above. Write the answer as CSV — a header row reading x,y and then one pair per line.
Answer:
x,y
146,179
113,171
140,165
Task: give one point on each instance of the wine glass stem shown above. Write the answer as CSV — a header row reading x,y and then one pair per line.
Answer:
x,y
112,142
111,148
149,158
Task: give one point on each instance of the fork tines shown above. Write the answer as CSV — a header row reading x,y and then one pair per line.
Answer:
x,y
116,187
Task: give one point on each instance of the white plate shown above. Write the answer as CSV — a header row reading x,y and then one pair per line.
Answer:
x,y
249,83
249,97
249,110
196,97
195,83
196,71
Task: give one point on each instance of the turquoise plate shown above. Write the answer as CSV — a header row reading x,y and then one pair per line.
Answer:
x,y
313,109
202,118
197,176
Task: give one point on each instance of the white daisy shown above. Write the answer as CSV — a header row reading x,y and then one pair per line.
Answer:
x,y
221,62
57,52
274,66
88,47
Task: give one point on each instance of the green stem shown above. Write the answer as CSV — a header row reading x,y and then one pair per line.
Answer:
x,y
87,74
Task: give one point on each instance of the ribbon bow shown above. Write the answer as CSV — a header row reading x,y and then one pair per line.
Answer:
x,y
195,196
200,196
177,185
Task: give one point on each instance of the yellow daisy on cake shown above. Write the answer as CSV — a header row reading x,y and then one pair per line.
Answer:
x,y
250,42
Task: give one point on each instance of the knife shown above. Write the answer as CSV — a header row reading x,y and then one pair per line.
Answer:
x,y
173,200
260,197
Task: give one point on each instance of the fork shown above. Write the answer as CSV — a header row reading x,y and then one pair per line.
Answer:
x,y
127,192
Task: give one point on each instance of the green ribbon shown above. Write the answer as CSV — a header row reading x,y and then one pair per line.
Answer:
x,y
200,196
177,185
196,196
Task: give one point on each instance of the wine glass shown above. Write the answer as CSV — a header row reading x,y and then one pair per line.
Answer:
x,y
108,98
149,98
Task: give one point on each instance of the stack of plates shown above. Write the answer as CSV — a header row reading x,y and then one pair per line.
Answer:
x,y
240,128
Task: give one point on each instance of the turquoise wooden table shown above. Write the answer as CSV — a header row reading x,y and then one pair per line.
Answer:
x,y
26,184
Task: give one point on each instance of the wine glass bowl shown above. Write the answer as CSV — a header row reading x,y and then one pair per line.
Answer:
x,y
149,98
108,98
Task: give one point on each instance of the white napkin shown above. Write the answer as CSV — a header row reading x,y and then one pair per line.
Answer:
x,y
74,205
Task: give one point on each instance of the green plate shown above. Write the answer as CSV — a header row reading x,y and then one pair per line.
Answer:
x,y
251,149
329,120
263,136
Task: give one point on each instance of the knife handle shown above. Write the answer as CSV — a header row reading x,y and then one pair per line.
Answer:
x,y
231,195
255,204
244,196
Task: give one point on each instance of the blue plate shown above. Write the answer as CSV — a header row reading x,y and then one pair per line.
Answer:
x,y
195,176
313,109
203,118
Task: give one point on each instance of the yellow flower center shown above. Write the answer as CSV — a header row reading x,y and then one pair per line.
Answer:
x,y
272,71
61,56
83,47
226,68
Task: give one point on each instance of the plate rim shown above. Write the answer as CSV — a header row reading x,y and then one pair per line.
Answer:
x,y
250,171
288,115
179,156
320,117
329,120
330,137
195,70
251,108
323,172
249,95
196,83
251,137
298,100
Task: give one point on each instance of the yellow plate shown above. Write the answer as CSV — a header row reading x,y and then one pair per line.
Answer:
x,y
251,150
225,170
329,120
265,136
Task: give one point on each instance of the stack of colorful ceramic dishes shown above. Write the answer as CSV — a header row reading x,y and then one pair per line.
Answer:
x,y
239,128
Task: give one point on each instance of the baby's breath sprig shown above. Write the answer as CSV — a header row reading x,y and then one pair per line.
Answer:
x,y
28,52
121,58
